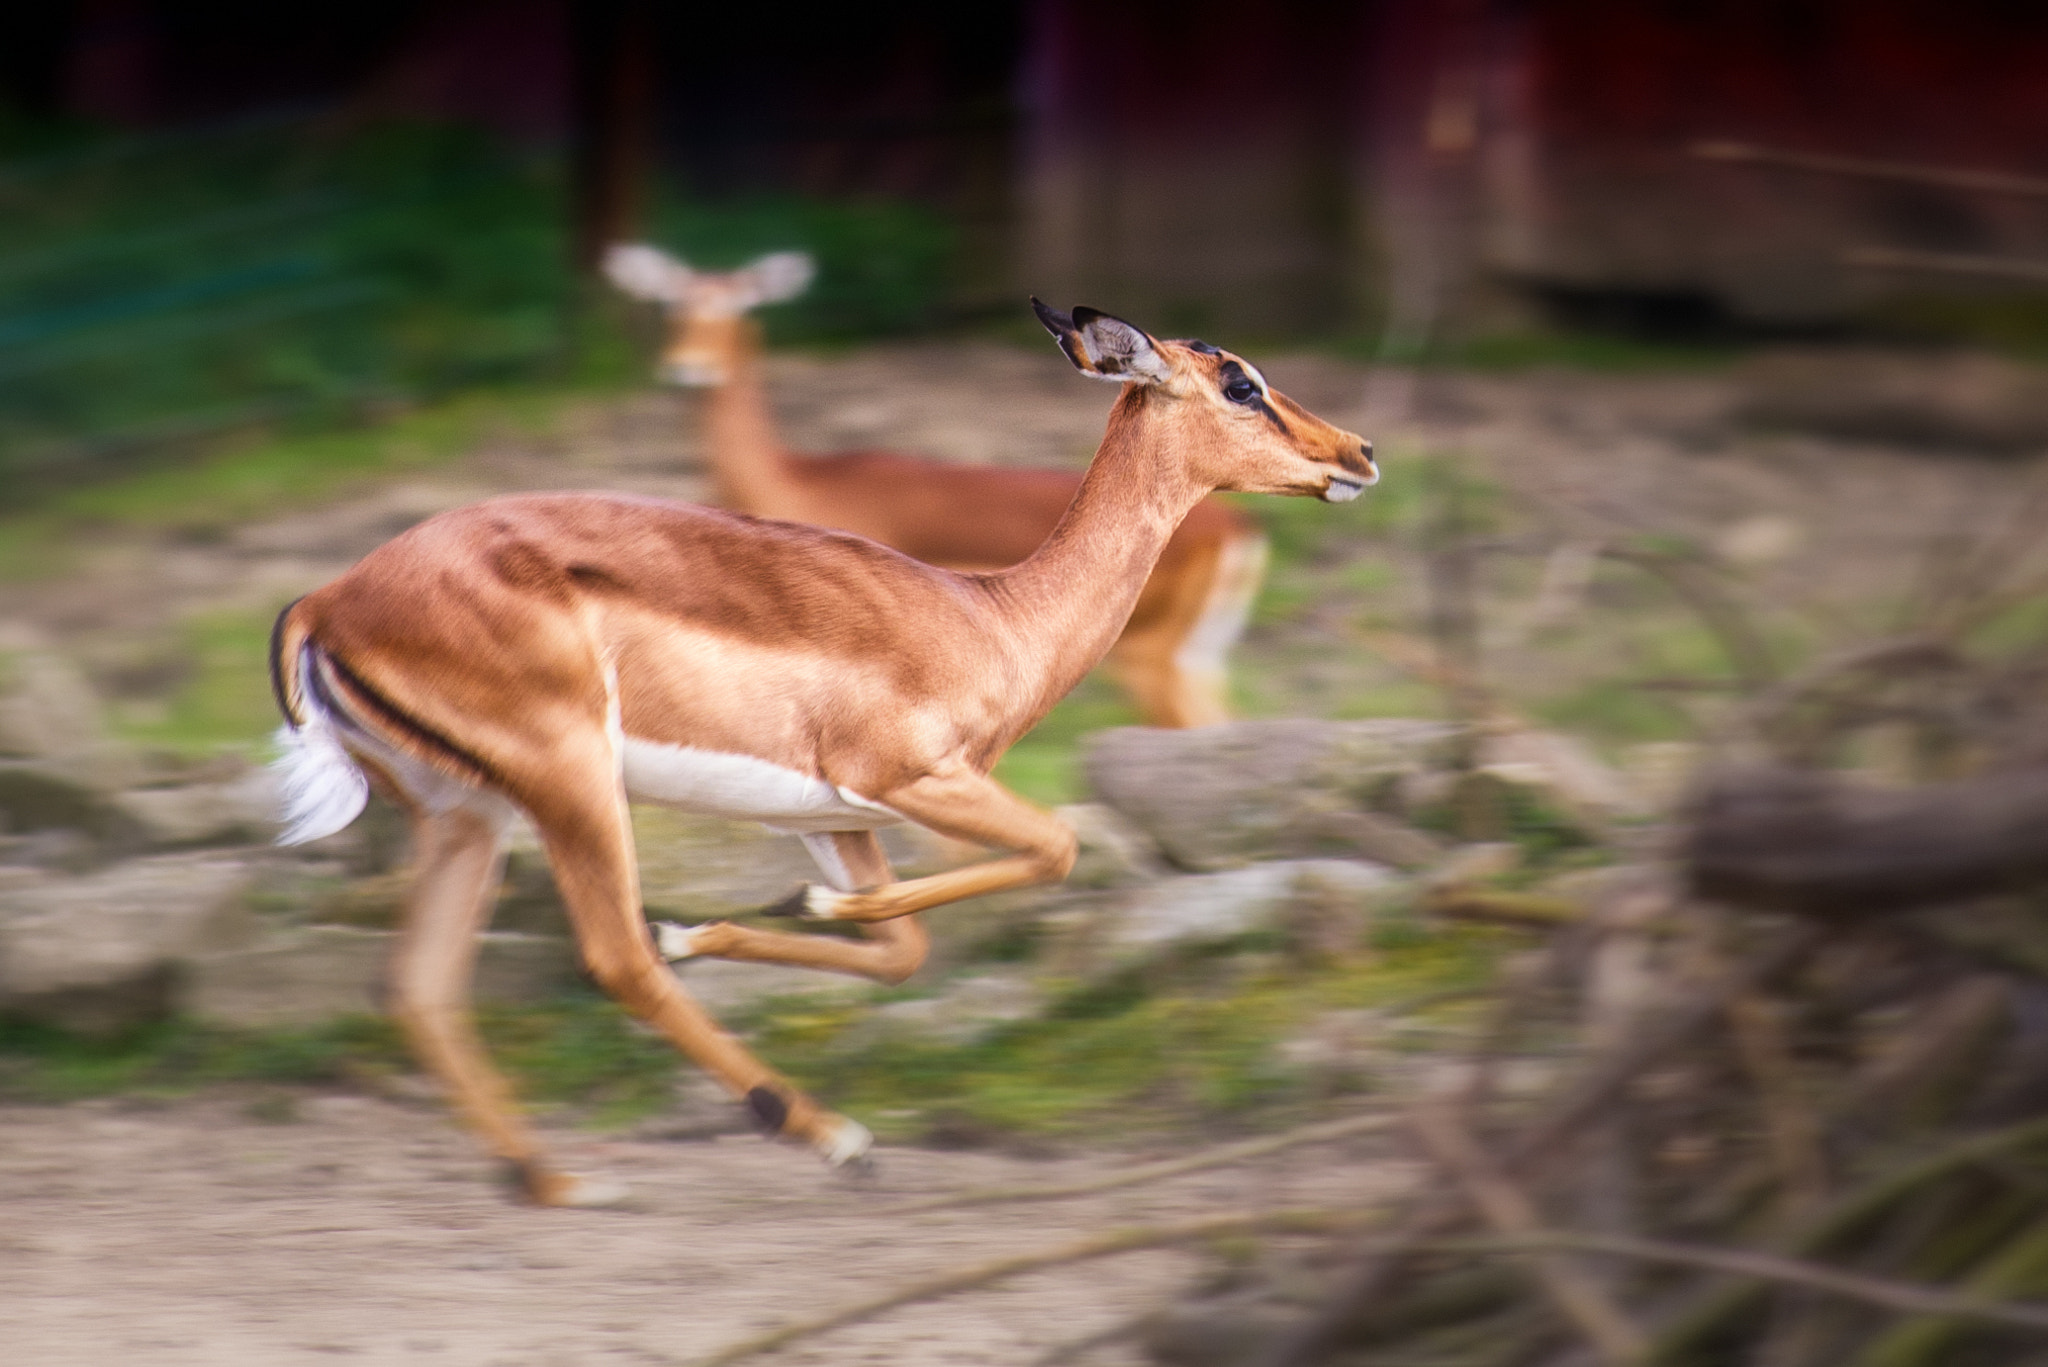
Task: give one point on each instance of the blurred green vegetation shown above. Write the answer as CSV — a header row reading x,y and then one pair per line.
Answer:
x,y
161,292
1197,1038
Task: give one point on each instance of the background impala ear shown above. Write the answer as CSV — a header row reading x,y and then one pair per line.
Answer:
x,y
1103,347
647,272
777,276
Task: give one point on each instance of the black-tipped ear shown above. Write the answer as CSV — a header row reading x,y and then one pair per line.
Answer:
x,y
1103,347
1057,323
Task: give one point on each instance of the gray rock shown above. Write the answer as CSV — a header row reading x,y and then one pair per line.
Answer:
x,y
1114,853
1221,796
37,798
966,1009
1218,906
1564,769
47,706
102,952
240,810
725,986
309,974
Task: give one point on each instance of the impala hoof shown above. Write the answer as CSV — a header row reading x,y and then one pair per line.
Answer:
x,y
809,902
568,1191
847,1150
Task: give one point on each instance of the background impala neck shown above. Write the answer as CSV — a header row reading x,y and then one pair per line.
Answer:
x,y
748,464
1068,603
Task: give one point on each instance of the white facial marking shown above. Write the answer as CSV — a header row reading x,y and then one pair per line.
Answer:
x,y
1344,488
745,789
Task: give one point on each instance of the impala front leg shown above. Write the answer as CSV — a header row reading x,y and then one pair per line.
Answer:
x,y
968,806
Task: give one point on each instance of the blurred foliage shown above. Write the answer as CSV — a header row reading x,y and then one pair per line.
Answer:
x,y
1197,1037
579,1050
163,290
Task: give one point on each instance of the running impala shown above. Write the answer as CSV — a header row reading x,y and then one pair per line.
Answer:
x,y
559,655
1170,657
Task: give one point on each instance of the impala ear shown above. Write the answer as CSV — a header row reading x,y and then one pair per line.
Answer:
x,y
647,272
1103,347
776,277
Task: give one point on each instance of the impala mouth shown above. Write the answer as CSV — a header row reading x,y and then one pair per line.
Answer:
x,y
1344,488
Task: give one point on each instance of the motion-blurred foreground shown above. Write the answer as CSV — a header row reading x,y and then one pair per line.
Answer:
x,y
1611,935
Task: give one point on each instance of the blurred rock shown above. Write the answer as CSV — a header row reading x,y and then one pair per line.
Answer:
x,y
308,974
47,706
1565,770
239,810
99,953
1476,863
966,1009
1217,906
1965,401
37,799
1114,853
1371,836
1221,796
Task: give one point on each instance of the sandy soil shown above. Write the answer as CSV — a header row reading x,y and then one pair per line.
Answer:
x,y
192,1233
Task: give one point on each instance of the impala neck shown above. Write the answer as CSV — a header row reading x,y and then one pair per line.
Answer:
x,y
748,464
1068,603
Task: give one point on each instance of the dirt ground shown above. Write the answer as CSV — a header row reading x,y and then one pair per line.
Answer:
x,y
192,1233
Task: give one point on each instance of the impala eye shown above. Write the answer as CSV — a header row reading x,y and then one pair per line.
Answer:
x,y
1240,391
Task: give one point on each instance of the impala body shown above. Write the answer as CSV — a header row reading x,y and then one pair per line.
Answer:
x,y
1171,654
560,655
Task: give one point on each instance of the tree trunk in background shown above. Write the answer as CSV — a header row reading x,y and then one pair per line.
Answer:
x,y
613,132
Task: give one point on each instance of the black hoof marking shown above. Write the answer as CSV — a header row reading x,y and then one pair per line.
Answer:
x,y
790,906
769,1110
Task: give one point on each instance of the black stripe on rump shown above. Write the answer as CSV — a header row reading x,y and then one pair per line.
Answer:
x,y
277,663
390,712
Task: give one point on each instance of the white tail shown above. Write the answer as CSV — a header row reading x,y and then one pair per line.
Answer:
x,y
321,788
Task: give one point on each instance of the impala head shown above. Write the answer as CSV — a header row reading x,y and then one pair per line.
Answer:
x,y
707,313
1234,431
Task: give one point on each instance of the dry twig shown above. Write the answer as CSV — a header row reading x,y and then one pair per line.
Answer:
x,y
1085,1250
1510,1212
1153,1172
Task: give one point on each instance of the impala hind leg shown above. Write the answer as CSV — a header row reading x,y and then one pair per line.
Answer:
x,y
589,842
851,860
968,806
458,857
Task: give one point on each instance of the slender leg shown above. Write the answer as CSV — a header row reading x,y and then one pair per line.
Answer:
x,y
459,856
968,806
580,811
851,860
1172,657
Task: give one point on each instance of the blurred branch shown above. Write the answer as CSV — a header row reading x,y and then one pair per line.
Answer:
x,y
1693,584
1891,1295
1988,182
1509,1211
1154,1172
1085,1250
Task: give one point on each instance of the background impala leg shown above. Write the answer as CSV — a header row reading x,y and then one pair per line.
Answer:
x,y
590,847
458,858
851,860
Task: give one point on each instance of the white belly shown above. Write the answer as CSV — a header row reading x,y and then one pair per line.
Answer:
x,y
745,789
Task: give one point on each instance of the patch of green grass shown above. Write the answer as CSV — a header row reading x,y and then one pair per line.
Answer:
x,y
225,703
209,496
578,1050
1149,1050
